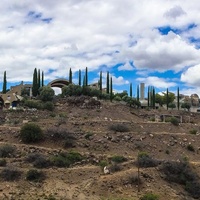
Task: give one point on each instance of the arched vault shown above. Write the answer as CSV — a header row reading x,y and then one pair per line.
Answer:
x,y
60,83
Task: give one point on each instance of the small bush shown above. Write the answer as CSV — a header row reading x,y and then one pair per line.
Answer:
x,y
48,106
70,143
193,131
174,121
88,136
144,160
35,175
119,128
103,163
2,162
134,180
149,196
31,133
118,159
10,174
190,147
66,159
6,151
115,168
38,160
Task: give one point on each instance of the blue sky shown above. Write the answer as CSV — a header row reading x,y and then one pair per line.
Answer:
x,y
156,42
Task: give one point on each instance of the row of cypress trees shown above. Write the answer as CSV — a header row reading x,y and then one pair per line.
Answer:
x,y
38,81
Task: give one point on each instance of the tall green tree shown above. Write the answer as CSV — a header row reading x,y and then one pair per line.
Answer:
x,y
4,83
84,81
107,83
86,76
111,89
153,98
70,76
167,99
178,99
138,93
131,90
42,78
100,81
39,81
35,83
79,77
148,97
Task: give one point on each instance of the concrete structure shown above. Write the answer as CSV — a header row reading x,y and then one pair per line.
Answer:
x,y
142,90
60,83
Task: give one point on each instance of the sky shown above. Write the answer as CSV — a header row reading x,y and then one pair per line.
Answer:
x,y
152,41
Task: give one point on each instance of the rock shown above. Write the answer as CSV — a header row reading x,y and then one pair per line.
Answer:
x,y
106,170
185,140
151,135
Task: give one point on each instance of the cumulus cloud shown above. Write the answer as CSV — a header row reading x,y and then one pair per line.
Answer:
x,y
192,75
157,82
175,12
126,67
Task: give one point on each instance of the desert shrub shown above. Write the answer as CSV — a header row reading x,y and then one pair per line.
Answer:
x,y
70,143
10,174
52,114
193,131
46,93
144,160
174,121
182,173
167,151
7,151
58,133
38,160
149,196
48,106
31,133
117,98
119,128
190,147
35,175
118,159
2,162
88,136
134,180
115,168
33,104
66,159
103,163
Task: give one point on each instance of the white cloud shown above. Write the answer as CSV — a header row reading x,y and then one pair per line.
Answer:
x,y
192,75
126,67
95,33
157,82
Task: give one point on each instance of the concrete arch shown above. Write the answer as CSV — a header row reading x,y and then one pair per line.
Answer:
x,y
60,83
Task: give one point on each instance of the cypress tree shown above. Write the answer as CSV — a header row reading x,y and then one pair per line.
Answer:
x,y
138,93
153,98
42,78
111,89
79,77
178,99
107,83
167,99
100,82
39,82
70,76
4,83
86,76
131,90
148,96
35,83
84,81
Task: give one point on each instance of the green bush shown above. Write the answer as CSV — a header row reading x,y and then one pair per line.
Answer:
x,y
48,106
66,159
119,128
31,133
149,196
193,131
144,160
2,162
174,121
88,136
182,173
10,174
33,104
118,159
35,175
103,163
190,147
46,93
7,151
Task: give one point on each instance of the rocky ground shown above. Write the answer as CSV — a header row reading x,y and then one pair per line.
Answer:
x,y
97,143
